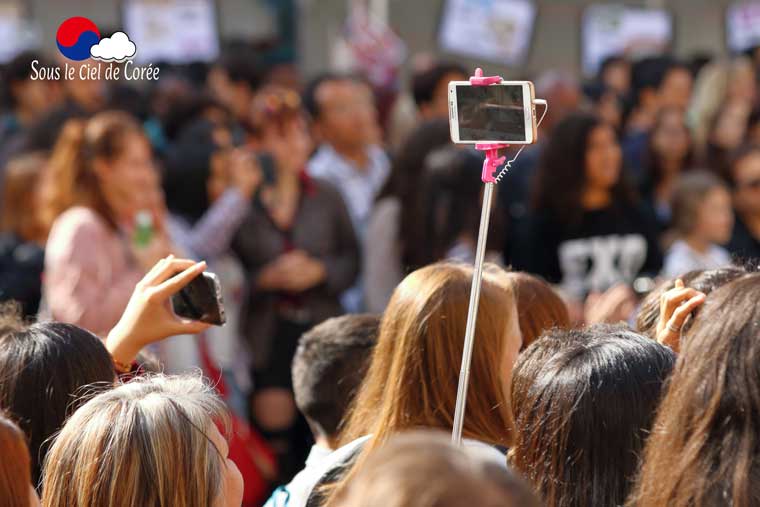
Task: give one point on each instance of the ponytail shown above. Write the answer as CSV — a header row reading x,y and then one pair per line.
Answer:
x,y
70,179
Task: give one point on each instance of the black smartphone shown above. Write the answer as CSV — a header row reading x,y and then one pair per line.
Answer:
x,y
267,165
201,300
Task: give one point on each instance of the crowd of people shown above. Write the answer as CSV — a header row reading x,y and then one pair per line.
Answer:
x,y
614,362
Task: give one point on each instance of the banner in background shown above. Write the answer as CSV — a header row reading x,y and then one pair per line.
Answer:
x,y
609,30
175,31
496,30
743,26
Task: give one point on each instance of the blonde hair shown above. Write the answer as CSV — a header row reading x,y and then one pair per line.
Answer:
x,y
143,443
412,378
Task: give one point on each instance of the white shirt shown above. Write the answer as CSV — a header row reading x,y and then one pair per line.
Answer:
x,y
682,258
358,186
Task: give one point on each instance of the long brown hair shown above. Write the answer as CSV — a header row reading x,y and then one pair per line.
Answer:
x,y
15,470
70,179
705,443
412,378
539,307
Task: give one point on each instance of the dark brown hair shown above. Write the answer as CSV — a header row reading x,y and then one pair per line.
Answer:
x,y
15,472
70,179
582,411
705,443
43,368
539,307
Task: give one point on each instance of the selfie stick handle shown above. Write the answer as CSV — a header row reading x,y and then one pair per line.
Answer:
x,y
488,176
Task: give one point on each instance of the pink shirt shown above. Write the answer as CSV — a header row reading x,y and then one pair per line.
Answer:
x,y
89,275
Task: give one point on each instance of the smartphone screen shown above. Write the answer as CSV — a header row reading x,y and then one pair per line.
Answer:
x,y
495,113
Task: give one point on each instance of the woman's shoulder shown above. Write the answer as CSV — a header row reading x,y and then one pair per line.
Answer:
x,y
79,221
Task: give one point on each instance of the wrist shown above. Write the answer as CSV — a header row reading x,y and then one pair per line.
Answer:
x,y
122,347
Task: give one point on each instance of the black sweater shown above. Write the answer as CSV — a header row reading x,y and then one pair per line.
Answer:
x,y
604,247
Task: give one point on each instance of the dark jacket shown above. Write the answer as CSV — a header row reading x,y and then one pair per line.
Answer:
x,y
322,228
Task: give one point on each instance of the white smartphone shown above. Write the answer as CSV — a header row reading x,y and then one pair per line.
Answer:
x,y
498,113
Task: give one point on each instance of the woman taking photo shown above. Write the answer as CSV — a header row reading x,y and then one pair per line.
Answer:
x,y
93,195
587,231
299,248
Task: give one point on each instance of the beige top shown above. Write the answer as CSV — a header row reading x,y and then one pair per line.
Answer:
x,y
89,273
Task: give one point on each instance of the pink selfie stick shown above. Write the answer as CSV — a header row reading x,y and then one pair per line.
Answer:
x,y
489,178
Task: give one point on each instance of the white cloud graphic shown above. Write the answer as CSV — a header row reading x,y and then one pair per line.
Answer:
x,y
115,48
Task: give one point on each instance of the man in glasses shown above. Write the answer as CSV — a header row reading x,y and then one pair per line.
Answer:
x,y
745,176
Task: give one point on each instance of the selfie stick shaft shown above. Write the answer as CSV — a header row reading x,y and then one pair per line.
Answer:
x,y
472,316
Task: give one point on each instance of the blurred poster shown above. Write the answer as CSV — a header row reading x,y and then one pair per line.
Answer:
x,y
621,30
743,26
494,30
374,47
175,31
16,32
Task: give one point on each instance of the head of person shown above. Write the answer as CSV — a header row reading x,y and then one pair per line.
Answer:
x,y
412,378
152,441
20,214
15,467
234,81
87,94
423,469
102,163
582,154
328,367
29,97
705,281
615,73
745,181
342,110
43,369
539,307
278,122
430,88
702,208
728,128
583,410
607,103
563,91
660,82
703,447
669,147
196,168
448,200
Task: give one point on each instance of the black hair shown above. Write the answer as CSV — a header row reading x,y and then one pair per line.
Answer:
x,y
561,176
43,370
425,82
242,67
583,410
407,172
18,70
650,73
449,199
309,97
188,168
329,366
609,62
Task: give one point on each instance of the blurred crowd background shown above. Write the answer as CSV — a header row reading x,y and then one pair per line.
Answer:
x,y
302,148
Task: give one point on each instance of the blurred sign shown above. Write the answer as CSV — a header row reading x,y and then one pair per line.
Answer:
x,y
610,30
16,32
743,26
494,30
175,31
375,48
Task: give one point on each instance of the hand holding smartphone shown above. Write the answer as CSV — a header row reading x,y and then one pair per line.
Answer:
x,y
201,300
